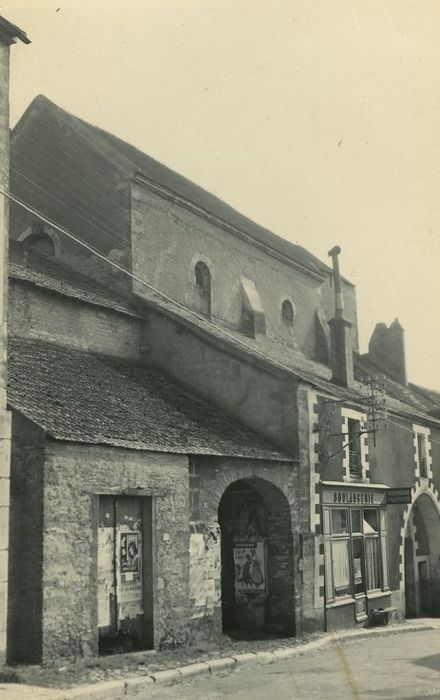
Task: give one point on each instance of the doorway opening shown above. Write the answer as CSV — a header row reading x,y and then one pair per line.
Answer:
x,y
422,560
257,581
125,595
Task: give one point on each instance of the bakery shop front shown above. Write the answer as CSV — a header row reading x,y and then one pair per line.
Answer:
x,y
355,551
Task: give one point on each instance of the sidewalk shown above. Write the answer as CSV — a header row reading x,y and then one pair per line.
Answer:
x,y
133,686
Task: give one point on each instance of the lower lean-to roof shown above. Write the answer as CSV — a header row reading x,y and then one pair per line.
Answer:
x,y
81,397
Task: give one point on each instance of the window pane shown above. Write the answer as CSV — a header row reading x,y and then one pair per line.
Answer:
x,y
341,567
354,447
340,521
370,521
383,521
372,563
383,547
356,521
328,571
421,447
327,529
358,567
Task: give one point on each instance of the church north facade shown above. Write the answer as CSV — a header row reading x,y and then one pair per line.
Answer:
x,y
198,446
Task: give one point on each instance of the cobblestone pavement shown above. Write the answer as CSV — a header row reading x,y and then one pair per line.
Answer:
x,y
404,666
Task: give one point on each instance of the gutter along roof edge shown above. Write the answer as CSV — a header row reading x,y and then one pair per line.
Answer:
x,y
166,193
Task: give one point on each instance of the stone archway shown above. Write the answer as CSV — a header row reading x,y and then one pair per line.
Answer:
x,y
421,555
257,579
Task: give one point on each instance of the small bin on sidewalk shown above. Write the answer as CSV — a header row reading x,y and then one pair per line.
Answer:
x,y
379,617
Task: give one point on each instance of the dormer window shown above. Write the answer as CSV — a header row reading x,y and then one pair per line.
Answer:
x,y
203,285
287,313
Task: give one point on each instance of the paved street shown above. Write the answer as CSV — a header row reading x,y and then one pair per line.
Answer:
x,y
402,666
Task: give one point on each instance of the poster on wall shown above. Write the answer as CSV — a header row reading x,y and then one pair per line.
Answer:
x,y
204,575
130,572
250,568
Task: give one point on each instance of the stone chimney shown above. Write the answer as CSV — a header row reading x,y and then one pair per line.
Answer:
x,y
8,35
387,350
340,329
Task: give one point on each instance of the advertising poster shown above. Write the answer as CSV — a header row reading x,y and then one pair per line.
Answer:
x,y
130,573
250,568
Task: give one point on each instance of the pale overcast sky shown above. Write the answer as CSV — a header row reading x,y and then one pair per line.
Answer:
x,y
319,119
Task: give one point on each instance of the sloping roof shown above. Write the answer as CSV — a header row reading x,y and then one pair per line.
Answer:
x,y
47,272
80,397
128,160
422,403
10,32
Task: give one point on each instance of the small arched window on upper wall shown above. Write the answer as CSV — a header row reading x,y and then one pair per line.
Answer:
x,y
287,313
203,286
40,239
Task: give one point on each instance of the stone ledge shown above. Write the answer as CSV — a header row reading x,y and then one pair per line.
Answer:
x,y
136,685
226,663
198,669
170,677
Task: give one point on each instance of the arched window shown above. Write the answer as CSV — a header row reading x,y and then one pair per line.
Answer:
x,y
41,239
287,313
40,243
203,285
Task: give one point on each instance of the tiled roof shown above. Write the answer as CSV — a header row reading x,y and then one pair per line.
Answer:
x,y
410,399
53,274
46,123
80,397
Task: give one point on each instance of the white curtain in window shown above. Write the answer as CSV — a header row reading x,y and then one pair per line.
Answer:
x,y
341,566
372,562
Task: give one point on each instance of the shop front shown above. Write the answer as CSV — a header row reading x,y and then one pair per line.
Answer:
x,y
355,552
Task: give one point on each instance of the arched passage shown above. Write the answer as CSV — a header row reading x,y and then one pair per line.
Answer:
x,y
257,583
422,559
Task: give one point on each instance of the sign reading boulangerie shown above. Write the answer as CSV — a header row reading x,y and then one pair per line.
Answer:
x,y
352,496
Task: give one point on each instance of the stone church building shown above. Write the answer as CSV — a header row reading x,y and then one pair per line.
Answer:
x,y
198,446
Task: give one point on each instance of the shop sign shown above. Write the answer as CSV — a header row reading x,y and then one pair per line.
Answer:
x,y
337,497
399,496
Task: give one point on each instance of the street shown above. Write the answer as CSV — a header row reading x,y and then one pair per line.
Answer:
x,y
402,666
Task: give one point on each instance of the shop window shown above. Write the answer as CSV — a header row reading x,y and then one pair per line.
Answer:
x,y
203,286
354,447
355,551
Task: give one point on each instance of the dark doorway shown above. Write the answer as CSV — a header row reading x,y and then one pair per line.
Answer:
x,y
422,559
125,602
256,559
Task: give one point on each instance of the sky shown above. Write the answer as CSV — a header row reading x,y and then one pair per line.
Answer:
x,y
319,119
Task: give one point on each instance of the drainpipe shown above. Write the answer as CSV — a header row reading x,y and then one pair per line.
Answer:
x,y
9,34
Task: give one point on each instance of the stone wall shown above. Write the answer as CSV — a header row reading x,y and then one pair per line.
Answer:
x,y
73,477
26,541
263,400
168,240
277,483
40,313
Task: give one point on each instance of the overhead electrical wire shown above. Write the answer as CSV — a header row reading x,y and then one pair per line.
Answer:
x,y
119,238
119,267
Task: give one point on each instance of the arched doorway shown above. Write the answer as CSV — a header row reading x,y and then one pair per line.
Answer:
x,y
422,559
257,583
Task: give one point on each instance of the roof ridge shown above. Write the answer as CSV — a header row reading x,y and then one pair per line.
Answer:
x,y
181,185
